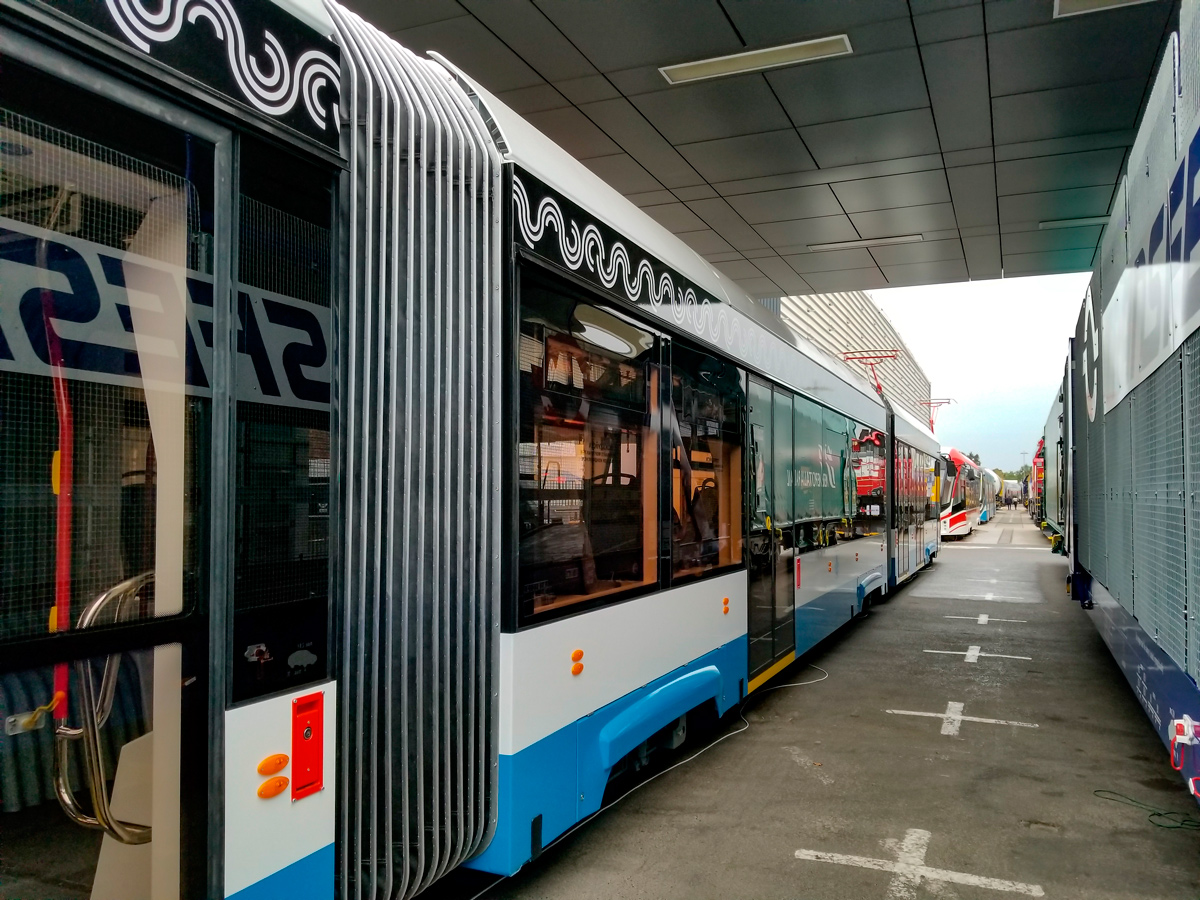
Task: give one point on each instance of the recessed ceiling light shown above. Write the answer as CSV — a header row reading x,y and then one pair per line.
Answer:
x,y
1065,8
867,242
757,60
1073,223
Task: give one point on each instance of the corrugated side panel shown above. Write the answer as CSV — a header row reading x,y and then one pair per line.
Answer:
x,y
418,418
1191,436
1080,467
1097,502
1158,509
1119,514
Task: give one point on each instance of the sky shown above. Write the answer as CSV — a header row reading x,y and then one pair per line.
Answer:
x,y
997,348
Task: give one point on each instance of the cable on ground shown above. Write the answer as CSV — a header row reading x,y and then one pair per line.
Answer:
x,y
1161,818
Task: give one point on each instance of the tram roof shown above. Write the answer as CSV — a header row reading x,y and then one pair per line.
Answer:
x,y
970,124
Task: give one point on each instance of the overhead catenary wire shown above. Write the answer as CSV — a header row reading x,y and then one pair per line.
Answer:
x,y
637,787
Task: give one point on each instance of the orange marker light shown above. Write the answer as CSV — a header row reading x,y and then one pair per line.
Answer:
x,y
272,787
276,762
576,655
725,601
577,668
725,611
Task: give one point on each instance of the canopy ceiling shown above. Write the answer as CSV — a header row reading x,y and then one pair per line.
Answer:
x,y
966,122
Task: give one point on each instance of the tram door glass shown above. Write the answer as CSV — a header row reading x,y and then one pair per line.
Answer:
x,y
771,598
106,237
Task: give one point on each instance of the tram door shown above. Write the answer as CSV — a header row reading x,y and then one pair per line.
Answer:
x,y
106,223
772,601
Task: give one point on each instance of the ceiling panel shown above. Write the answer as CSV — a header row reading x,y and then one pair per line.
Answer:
x,y
474,49
588,89
387,15
904,220
1078,50
1073,203
574,132
949,24
983,256
846,143
791,203
1085,109
1064,170
759,287
927,272
738,269
913,189
637,137
783,275
621,34
536,98
763,21
851,87
708,110
958,89
705,242
748,156
723,257
802,232
694,192
1085,238
530,35
847,280
1048,262
925,251
651,198
722,218
675,217
830,260
622,172
973,189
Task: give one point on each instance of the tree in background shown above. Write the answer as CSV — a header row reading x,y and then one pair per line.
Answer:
x,y
1022,473
1000,474
974,457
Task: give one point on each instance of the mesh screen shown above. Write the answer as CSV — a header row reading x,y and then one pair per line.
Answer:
x,y
1097,509
58,181
1119,513
1191,426
283,254
1080,465
1158,511
61,183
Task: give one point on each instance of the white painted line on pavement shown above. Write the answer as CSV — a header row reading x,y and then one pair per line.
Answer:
x,y
953,718
909,868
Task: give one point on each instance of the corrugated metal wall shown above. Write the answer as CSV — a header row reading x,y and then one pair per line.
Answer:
x,y
1118,468
1080,496
1158,508
1191,441
418,476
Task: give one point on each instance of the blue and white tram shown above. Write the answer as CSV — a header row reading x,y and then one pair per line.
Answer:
x,y
376,480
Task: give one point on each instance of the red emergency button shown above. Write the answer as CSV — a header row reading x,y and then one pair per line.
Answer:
x,y
308,744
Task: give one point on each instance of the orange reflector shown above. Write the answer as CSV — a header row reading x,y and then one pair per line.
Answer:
x,y
577,668
725,601
272,764
272,787
725,611
576,655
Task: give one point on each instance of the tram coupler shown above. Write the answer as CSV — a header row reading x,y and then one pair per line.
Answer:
x,y
1184,732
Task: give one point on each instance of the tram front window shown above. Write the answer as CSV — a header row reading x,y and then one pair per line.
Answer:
x,y
587,452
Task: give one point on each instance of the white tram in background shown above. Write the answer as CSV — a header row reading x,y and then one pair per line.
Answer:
x,y
378,483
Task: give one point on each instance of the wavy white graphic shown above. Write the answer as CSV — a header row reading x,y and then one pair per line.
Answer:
x,y
585,248
273,87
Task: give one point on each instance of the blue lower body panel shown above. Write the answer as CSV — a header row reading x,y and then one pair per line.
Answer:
x,y
310,878
1164,690
550,785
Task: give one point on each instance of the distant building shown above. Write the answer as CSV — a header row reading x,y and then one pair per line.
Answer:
x,y
850,320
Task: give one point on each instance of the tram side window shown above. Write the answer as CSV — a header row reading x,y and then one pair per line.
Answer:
x,y
587,453
868,474
705,427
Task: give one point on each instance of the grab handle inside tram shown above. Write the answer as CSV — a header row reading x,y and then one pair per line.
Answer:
x,y
96,708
